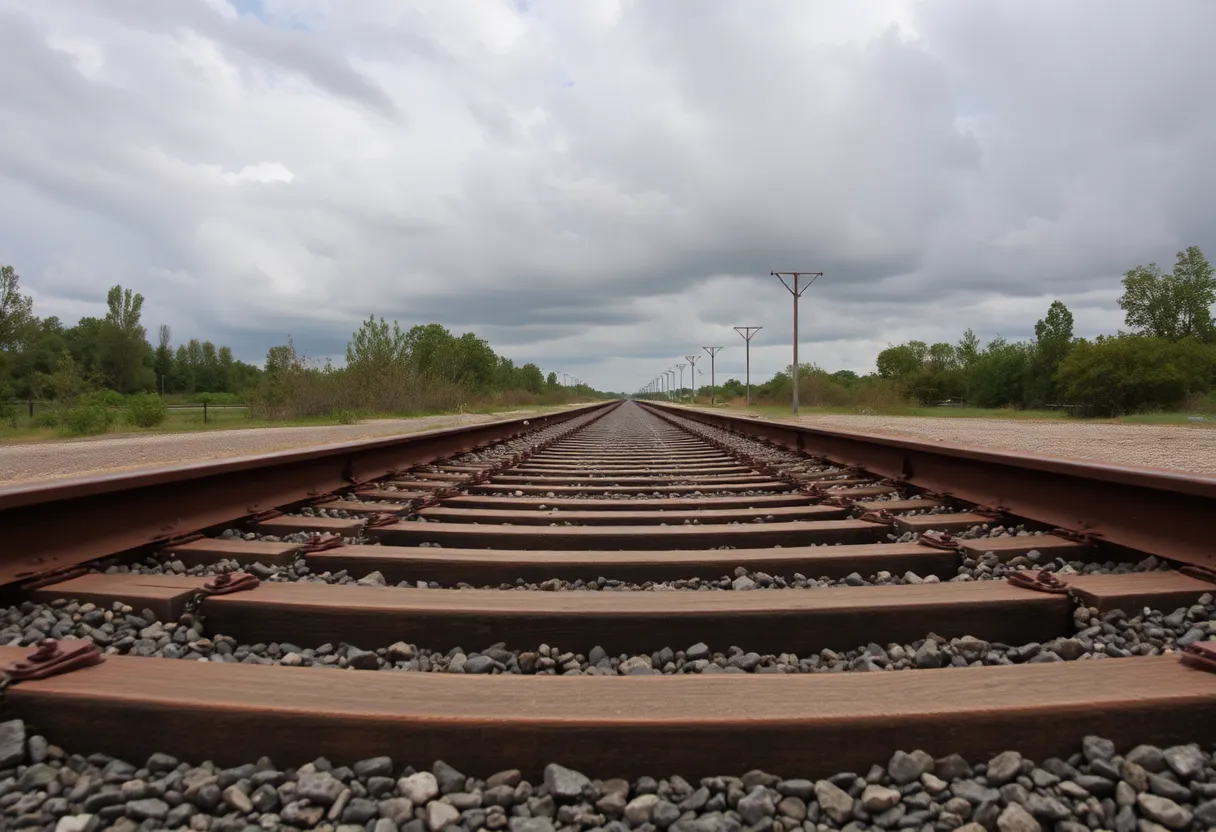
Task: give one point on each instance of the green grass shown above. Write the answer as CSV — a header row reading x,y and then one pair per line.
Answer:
x,y
783,412
190,420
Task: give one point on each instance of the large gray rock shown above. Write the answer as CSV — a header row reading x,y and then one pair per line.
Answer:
x,y
564,783
1017,819
419,788
1164,811
12,743
834,800
755,806
319,787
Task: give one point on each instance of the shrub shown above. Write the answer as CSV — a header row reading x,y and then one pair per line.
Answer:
x,y
146,410
1135,373
45,419
344,417
86,420
216,398
103,398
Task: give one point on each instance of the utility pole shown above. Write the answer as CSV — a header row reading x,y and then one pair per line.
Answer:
x,y
797,293
692,375
713,385
680,389
748,332
671,385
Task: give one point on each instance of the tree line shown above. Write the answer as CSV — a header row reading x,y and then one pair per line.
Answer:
x,y
41,358
1164,360
391,370
387,370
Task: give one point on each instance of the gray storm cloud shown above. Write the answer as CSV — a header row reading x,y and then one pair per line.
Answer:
x,y
602,187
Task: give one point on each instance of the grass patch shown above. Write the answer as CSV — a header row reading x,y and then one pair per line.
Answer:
x,y
783,412
1186,418
47,425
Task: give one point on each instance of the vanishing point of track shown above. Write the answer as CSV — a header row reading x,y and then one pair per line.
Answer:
x,y
625,590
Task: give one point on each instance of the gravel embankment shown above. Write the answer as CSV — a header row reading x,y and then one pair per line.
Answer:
x,y
1147,788
1191,449
23,462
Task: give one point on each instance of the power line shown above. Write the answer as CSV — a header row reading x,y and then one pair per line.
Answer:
x,y
692,375
713,389
797,293
748,332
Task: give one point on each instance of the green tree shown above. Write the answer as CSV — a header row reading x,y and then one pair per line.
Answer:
x,y
16,309
533,379
896,362
1053,339
1130,373
126,355
181,372
375,347
85,341
162,361
1171,306
475,362
551,380
997,377
968,349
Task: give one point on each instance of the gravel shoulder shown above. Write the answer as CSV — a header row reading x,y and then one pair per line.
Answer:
x,y
1190,449
79,457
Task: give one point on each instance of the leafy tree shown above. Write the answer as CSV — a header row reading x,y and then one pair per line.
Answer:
x,y
181,372
898,362
1171,306
997,377
1130,373
531,378
85,343
15,309
1053,339
162,362
551,380
968,349
732,388
475,362
125,349
375,347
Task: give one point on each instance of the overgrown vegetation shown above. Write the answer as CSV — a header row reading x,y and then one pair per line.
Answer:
x,y
90,376
1165,361
424,369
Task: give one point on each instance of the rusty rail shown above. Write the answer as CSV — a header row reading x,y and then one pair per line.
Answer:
x,y
114,513
1159,512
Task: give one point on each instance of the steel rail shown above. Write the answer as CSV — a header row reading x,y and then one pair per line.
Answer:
x,y
1159,512
52,526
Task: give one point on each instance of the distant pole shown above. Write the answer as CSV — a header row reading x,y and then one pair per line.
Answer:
x,y
797,293
671,393
748,332
713,385
680,389
692,376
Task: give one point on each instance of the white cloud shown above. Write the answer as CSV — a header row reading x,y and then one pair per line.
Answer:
x,y
602,186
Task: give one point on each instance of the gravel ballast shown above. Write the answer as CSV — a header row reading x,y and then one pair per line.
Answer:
x,y
1143,789
119,629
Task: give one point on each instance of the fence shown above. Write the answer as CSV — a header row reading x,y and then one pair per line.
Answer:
x,y
38,405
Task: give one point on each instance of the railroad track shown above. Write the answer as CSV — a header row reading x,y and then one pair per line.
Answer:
x,y
895,628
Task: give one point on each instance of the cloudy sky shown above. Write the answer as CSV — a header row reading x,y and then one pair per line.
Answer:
x,y
603,186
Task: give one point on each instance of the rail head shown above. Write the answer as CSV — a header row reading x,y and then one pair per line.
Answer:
x,y
1151,510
